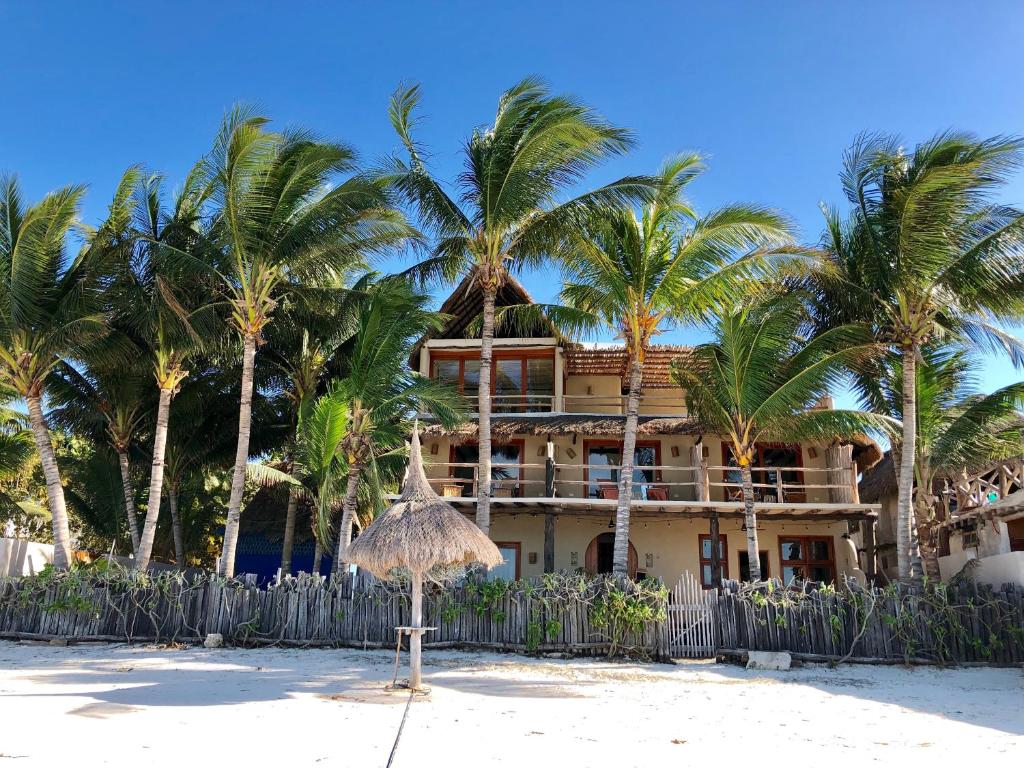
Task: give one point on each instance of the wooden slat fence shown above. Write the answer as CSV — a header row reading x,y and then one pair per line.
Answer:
x,y
951,625
316,611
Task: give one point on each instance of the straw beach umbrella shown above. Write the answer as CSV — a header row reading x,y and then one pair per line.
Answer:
x,y
420,532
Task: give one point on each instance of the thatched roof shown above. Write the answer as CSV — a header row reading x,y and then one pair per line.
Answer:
x,y
878,481
465,305
266,511
589,360
420,531
505,427
865,450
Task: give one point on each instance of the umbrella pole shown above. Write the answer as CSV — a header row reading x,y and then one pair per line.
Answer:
x,y
416,635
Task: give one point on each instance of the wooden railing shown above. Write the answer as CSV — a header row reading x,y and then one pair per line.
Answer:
x,y
994,483
653,403
661,482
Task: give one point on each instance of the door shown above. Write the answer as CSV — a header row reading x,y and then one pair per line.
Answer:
x,y
601,555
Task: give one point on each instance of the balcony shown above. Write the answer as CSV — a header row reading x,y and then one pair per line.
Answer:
x,y
655,403
651,483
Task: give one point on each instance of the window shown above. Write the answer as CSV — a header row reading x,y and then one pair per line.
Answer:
x,y
767,456
505,470
762,556
521,382
807,558
508,570
705,559
604,459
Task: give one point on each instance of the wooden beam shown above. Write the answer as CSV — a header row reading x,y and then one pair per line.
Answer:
x,y
549,542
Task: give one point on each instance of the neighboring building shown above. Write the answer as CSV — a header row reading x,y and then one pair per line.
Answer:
x,y
878,486
557,431
979,516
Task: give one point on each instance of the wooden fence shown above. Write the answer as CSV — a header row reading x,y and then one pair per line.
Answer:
x,y
942,625
561,613
533,615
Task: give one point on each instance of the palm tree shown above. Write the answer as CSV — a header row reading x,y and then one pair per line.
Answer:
x,y
107,405
957,428
367,412
162,308
633,275
759,380
925,255
49,312
282,223
538,147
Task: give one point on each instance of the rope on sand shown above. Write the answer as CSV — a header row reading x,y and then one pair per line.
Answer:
x,y
401,725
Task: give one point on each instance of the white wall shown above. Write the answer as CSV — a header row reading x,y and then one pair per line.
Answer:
x,y
995,570
19,557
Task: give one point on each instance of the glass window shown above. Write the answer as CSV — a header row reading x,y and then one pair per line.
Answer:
x,y
504,467
807,558
705,559
446,371
601,456
509,569
540,382
508,386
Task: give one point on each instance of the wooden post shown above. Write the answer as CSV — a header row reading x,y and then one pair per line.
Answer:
x,y
415,637
842,474
716,565
702,486
867,535
549,470
549,542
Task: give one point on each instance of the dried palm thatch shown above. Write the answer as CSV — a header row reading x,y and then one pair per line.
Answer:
x,y
420,531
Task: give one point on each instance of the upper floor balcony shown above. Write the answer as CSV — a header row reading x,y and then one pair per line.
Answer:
x,y
536,376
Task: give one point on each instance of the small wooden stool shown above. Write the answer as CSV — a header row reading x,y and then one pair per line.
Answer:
x,y
399,631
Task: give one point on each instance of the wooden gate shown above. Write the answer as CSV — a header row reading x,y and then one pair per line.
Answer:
x,y
691,619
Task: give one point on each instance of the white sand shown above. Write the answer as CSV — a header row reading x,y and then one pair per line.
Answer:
x,y
120,706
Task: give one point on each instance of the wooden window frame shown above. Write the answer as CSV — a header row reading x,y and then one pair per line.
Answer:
x,y
702,561
759,449
806,563
520,443
522,355
518,547
588,444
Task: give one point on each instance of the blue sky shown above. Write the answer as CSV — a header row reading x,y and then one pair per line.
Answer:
x,y
772,93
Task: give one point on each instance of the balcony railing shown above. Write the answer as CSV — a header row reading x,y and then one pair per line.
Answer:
x,y
654,403
651,482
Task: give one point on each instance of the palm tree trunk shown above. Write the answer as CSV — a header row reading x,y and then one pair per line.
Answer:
x,y
908,449
483,493
156,481
289,533
318,554
750,517
348,512
129,499
226,566
176,530
54,489
620,558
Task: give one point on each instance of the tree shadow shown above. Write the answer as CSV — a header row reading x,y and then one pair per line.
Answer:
x,y
125,682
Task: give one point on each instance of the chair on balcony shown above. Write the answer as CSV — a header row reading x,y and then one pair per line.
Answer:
x,y
607,490
657,493
504,489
